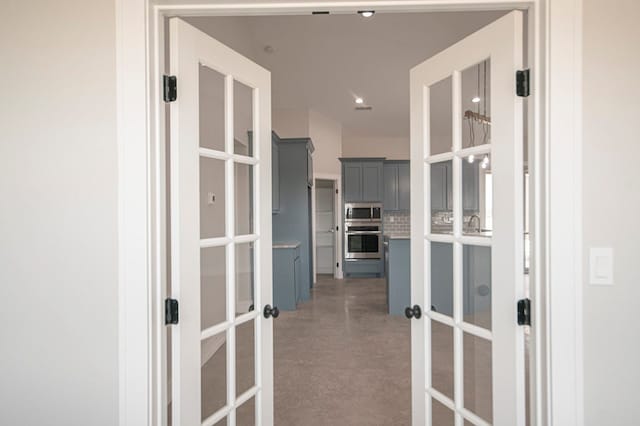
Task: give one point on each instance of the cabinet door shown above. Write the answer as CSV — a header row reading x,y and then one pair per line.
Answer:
x,y
275,177
390,199
404,187
372,181
449,185
470,187
352,182
297,269
309,169
438,187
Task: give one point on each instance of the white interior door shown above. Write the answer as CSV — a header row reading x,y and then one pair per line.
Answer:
x,y
467,231
325,227
222,347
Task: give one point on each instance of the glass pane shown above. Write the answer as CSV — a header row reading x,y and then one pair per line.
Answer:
x,y
476,284
243,118
442,197
212,198
442,278
244,198
477,196
211,109
213,288
246,413
477,376
476,105
441,415
442,358
245,357
244,278
213,374
440,117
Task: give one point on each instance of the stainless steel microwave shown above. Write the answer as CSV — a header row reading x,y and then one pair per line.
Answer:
x,y
363,212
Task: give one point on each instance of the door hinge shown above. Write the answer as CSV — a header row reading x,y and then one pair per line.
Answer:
x,y
170,85
336,191
337,264
170,311
524,312
523,88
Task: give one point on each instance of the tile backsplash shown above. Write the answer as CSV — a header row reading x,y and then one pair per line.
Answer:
x,y
396,222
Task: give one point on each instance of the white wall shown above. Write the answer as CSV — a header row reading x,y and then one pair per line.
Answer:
x,y
58,214
611,206
391,148
290,123
326,135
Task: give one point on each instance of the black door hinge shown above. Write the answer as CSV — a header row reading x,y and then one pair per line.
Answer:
x,y
336,191
170,85
524,312
337,264
170,311
523,88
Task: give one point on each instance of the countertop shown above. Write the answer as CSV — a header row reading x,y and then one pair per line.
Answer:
x,y
286,244
397,236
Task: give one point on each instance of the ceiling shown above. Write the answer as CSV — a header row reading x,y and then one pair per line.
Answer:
x,y
323,62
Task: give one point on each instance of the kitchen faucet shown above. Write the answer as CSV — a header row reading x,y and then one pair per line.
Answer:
x,y
470,223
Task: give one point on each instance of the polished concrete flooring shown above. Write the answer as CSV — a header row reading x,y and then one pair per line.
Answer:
x,y
340,359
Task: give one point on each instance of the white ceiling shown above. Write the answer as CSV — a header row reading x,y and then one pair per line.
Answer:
x,y
322,62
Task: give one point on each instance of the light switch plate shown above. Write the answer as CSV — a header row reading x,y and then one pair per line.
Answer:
x,y
601,266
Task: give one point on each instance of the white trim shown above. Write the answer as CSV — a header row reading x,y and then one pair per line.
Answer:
x,y
337,220
556,32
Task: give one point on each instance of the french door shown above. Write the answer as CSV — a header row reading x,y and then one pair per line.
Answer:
x,y
220,191
467,231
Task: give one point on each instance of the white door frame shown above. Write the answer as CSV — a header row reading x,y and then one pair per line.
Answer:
x,y
555,57
337,219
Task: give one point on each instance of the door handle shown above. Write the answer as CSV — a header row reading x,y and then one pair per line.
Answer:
x,y
271,312
414,312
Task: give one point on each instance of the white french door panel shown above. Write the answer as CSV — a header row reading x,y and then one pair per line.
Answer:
x,y
467,231
221,274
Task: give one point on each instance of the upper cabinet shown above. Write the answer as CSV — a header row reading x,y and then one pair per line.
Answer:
x,y
362,179
275,174
442,186
397,187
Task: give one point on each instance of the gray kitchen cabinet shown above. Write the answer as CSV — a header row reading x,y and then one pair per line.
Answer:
x,y
439,191
404,186
309,169
275,174
398,269
286,275
390,200
362,179
470,186
352,181
294,220
397,186
372,181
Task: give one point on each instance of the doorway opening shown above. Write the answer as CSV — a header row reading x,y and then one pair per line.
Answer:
x,y
395,219
326,228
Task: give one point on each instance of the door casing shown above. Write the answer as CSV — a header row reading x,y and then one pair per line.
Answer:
x,y
555,115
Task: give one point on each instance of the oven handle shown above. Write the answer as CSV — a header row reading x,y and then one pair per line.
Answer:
x,y
363,232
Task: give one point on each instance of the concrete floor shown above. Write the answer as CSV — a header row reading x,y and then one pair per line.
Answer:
x,y
340,359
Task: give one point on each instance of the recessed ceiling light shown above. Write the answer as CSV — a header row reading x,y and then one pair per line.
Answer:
x,y
476,99
359,101
366,13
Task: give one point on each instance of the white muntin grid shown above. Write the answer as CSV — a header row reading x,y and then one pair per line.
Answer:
x,y
231,241
457,241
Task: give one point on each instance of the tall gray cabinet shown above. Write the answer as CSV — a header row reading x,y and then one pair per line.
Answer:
x,y
292,221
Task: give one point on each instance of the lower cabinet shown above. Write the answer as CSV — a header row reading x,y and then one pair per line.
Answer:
x,y
287,271
398,256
